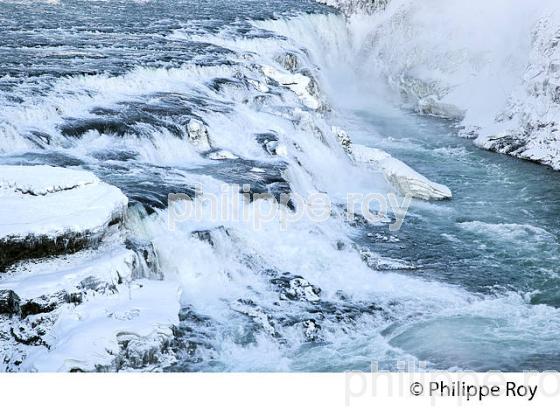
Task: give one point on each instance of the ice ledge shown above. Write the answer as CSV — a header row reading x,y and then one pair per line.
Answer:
x,y
46,210
400,175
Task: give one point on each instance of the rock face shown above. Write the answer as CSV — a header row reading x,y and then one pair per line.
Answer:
x,y
400,175
507,100
47,211
9,302
90,303
532,119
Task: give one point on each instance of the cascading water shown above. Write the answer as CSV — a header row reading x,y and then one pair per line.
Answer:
x,y
450,288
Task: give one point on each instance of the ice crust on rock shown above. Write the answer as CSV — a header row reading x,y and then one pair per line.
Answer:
x,y
78,308
300,84
198,135
49,201
48,210
400,175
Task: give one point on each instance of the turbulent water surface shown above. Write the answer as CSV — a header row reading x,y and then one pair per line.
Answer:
x,y
470,283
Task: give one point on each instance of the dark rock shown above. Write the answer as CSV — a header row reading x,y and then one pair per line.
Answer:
x,y
223,84
91,283
192,339
9,302
296,288
44,304
209,235
506,144
24,336
268,141
344,311
15,249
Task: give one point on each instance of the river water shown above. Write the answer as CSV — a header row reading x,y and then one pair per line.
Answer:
x,y
470,283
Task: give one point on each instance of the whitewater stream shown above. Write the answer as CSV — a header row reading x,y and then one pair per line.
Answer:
x,y
470,283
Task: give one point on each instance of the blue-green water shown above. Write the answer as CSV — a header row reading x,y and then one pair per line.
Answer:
x,y
111,87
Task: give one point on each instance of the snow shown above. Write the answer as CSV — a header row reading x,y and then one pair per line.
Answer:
x,y
87,336
298,83
49,201
111,263
42,179
400,175
116,318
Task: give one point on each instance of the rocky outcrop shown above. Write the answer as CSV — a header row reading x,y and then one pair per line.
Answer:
x,y
400,175
406,180
343,139
304,86
47,211
531,121
9,302
83,306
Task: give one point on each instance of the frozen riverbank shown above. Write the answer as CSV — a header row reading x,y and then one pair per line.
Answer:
x,y
492,67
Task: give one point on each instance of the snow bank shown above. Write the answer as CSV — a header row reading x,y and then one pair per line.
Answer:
x,y
91,336
45,210
48,201
109,265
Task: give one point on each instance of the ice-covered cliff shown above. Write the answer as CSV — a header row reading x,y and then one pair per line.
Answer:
x,y
491,66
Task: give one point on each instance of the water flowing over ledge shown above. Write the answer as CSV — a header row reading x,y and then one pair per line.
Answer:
x,y
283,104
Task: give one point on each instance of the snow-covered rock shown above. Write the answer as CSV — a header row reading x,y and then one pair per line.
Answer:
x,y
355,6
294,287
47,210
198,135
532,119
9,302
87,311
221,154
248,308
80,307
400,175
289,60
303,86
86,270
343,139
89,336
